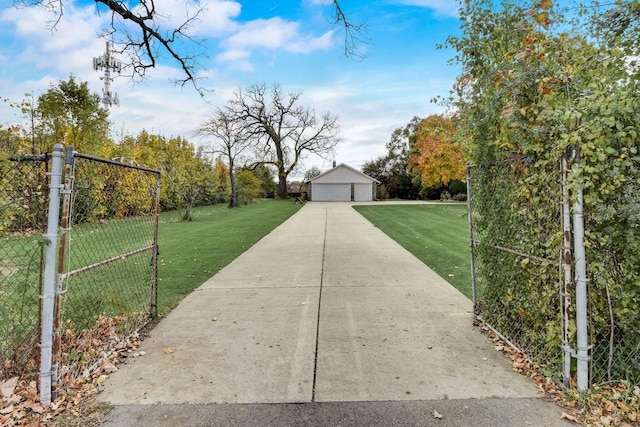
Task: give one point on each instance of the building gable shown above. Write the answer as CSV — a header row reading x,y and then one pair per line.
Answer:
x,y
343,174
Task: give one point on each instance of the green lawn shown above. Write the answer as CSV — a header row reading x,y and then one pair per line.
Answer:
x,y
437,234
192,252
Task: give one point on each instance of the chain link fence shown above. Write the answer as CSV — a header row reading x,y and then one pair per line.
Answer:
x,y
23,219
613,258
107,257
521,218
517,242
74,284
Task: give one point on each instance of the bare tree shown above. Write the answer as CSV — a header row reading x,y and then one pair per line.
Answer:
x,y
284,130
231,139
137,29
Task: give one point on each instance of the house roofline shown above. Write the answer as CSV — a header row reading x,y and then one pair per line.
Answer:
x,y
348,167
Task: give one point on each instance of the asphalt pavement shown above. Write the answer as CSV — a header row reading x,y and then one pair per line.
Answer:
x,y
324,322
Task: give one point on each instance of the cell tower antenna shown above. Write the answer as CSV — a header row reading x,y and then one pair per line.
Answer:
x,y
109,64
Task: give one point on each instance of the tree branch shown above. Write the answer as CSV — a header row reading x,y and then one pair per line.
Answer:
x,y
354,34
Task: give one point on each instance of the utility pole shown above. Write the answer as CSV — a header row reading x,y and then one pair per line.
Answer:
x,y
109,64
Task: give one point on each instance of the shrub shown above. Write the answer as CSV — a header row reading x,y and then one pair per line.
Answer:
x,y
431,193
382,193
457,187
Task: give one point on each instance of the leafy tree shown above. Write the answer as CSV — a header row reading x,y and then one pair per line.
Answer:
x,y
188,179
231,140
266,176
283,130
250,186
69,113
392,169
18,139
435,158
311,173
12,141
222,180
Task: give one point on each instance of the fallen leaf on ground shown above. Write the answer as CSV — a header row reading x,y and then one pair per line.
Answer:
x,y
7,410
606,420
7,387
169,350
566,416
37,408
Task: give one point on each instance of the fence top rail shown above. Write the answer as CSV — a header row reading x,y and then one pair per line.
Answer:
x,y
113,162
30,158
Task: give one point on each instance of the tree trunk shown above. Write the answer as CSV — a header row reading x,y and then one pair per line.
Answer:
x,y
282,185
233,200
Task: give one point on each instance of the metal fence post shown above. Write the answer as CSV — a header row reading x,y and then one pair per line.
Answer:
x,y
64,230
567,262
153,303
49,286
476,308
581,285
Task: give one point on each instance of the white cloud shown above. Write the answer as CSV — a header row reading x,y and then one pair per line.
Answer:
x,y
211,18
217,18
233,55
276,33
33,24
67,48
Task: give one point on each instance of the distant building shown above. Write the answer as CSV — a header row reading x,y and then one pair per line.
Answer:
x,y
342,183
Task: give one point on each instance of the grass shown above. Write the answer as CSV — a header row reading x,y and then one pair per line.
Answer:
x,y
192,252
437,234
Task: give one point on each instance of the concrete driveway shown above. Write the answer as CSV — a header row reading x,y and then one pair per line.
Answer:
x,y
329,312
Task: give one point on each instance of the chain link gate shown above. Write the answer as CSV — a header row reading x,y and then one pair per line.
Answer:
x,y
571,307
96,259
107,263
517,268
23,220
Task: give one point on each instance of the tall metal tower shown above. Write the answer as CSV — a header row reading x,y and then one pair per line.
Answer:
x,y
108,63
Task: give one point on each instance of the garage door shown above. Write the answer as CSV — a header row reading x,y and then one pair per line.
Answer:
x,y
331,192
362,192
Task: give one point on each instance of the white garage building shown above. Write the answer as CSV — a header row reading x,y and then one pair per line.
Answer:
x,y
342,184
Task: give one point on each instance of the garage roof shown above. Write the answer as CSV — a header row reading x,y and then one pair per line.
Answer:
x,y
343,173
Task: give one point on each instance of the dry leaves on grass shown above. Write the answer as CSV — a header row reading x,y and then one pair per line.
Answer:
x,y
20,404
606,405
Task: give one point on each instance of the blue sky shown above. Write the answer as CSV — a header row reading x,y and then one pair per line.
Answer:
x,y
287,42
